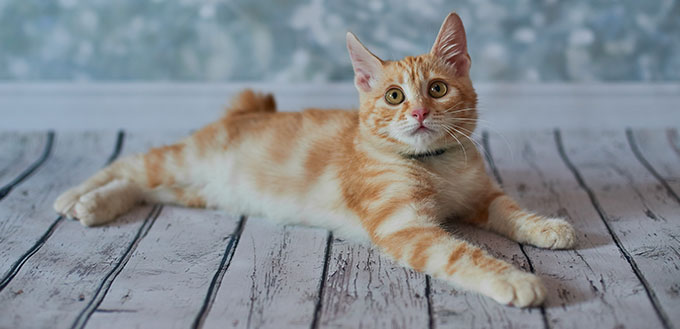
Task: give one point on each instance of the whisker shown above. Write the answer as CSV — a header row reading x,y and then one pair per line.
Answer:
x,y
480,108
477,144
489,126
457,103
458,141
451,111
505,140
473,119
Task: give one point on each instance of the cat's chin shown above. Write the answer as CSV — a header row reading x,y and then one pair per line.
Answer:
x,y
421,141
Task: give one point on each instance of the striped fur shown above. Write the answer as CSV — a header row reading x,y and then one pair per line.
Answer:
x,y
354,172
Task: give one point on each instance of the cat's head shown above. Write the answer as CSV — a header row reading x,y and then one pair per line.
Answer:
x,y
418,104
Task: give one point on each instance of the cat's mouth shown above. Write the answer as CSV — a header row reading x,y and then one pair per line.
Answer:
x,y
422,129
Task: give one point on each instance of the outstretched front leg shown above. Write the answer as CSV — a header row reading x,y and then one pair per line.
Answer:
x,y
499,213
411,237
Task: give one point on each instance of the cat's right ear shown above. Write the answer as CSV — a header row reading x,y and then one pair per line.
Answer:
x,y
451,45
367,67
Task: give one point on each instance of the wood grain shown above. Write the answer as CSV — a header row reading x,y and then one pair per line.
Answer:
x,y
639,211
165,280
591,286
148,271
18,153
273,278
26,213
365,289
661,149
64,278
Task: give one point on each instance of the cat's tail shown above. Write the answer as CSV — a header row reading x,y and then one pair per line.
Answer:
x,y
249,101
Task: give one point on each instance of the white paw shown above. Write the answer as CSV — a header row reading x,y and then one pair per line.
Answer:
x,y
65,203
516,288
554,233
100,205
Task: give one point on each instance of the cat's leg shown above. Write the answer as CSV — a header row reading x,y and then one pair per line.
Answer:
x,y
500,214
420,243
164,174
82,201
159,175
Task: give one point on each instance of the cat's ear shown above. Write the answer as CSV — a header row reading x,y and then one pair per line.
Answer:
x,y
451,45
367,67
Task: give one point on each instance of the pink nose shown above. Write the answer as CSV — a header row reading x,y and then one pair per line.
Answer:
x,y
420,114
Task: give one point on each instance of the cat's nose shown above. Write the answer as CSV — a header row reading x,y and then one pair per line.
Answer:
x,y
420,114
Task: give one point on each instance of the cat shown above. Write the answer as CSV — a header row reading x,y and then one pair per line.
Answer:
x,y
392,172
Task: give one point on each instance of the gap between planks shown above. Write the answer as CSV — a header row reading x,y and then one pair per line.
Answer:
x,y
216,282
4,191
565,159
636,150
322,281
106,283
19,263
600,211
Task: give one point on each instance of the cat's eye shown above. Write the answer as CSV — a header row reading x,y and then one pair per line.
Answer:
x,y
437,89
394,96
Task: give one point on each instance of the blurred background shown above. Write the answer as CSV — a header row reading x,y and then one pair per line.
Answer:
x,y
303,40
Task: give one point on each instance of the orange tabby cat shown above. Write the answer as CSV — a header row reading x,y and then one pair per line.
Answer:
x,y
391,172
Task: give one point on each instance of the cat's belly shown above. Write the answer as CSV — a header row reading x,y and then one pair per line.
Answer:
x,y
237,189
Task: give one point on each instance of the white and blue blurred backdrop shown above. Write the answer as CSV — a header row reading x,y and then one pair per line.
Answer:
x,y
303,40
174,64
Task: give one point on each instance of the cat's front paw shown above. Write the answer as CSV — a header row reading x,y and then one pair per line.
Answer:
x,y
516,288
554,233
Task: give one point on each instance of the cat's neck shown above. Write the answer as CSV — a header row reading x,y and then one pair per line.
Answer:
x,y
426,154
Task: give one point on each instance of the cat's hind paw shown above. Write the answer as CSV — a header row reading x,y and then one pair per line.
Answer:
x,y
100,205
516,288
65,203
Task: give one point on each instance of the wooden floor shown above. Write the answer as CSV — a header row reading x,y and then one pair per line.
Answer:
x,y
168,267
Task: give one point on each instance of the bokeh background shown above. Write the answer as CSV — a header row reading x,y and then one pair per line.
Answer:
x,y
303,40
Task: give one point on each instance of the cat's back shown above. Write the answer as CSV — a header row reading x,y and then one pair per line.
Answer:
x,y
275,133
285,130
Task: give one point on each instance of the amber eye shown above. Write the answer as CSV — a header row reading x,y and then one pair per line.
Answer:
x,y
437,89
394,96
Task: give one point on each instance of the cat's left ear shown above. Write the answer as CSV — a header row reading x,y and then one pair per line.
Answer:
x,y
367,67
451,45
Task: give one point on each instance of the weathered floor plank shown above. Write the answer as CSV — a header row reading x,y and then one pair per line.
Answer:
x,y
365,289
661,150
591,286
61,283
273,278
165,280
19,153
116,275
26,213
640,213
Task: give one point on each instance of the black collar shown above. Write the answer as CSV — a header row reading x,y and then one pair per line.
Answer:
x,y
420,156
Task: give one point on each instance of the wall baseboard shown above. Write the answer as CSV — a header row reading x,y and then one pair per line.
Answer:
x,y
162,106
